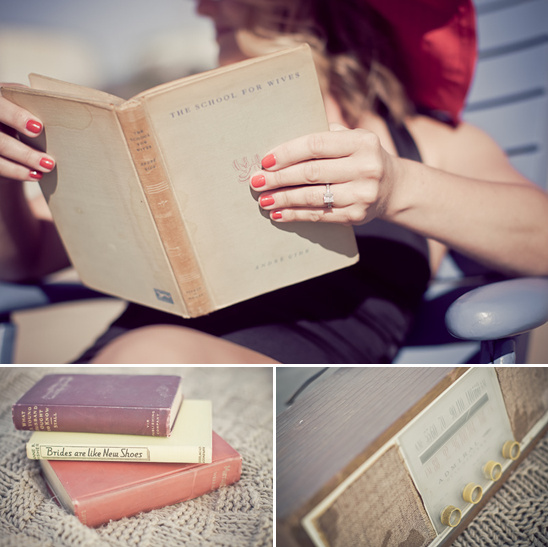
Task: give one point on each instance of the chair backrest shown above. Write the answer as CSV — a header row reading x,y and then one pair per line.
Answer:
x,y
509,94
509,100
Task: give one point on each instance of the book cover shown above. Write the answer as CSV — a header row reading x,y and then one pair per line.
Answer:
x,y
151,196
190,441
101,403
97,492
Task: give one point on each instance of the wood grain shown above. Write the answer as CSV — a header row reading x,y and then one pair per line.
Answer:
x,y
325,435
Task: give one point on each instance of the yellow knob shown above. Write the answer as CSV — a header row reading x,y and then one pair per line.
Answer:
x,y
511,450
472,493
450,516
492,470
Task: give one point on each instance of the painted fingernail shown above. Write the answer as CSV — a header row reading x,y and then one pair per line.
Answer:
x,y
277,215
46,164
266,201
268,161
36,175
34,127
257,181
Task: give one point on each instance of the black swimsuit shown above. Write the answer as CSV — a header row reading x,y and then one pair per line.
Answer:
x,y
358,315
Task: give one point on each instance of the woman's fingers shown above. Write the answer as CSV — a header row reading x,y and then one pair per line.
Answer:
x,y
346,203
295,178
313,196
344,215
337,143
305,173
330,157
329,144
19,119
17,160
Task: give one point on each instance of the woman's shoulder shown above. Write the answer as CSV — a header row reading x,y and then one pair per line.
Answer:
x,y
463,148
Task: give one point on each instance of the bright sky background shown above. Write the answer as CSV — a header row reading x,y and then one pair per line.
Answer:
x,y
121,36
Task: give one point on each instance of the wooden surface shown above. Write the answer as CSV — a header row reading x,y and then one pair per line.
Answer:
x,y
334,427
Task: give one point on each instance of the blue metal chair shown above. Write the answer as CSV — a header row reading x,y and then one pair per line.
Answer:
x,y
508,99
16,297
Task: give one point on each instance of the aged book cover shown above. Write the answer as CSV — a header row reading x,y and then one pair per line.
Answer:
x,y
151,196
190,441
101,403
97,492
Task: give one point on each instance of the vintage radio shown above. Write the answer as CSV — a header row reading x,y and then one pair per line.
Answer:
x,y
401,456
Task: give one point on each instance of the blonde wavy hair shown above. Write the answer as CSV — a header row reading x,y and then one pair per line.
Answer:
x,y
351,46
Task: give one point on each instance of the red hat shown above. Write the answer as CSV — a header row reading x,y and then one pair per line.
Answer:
x,y
437,42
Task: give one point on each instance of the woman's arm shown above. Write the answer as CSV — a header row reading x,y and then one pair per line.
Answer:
x,y
475,202
30,246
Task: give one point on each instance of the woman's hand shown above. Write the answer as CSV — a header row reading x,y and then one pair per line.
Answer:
x,y
17,160
354,164
31,247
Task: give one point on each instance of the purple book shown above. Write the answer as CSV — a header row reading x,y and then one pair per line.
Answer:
x,y
127,404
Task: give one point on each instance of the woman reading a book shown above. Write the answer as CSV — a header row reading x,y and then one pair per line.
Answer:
x,y
398,164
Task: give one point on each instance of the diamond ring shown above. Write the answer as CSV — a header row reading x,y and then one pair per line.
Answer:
x,y
328,197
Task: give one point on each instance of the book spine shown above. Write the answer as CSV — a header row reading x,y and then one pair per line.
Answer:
x,y
162,202
125,453
126,502
153,422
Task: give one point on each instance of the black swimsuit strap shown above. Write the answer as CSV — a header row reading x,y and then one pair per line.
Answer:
x,y
403,141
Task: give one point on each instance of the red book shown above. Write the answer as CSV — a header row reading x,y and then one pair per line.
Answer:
x,y
98,492
126,404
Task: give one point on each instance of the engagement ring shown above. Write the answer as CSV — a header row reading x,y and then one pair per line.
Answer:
x,y
328,197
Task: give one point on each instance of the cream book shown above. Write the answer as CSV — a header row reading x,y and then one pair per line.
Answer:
x,y
151,195
190,441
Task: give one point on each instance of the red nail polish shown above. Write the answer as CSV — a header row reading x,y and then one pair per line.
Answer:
x,y
269,161
36,175
266,201
257,181
34,127
276,215
46,164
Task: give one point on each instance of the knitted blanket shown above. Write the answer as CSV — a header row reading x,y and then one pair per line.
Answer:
x,y
517,515
236,515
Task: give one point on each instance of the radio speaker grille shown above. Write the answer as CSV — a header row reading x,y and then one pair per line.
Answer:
x,y
380,508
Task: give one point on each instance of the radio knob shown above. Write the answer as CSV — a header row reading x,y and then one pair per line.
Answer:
x,y
472,493
511,450
450,516
492,470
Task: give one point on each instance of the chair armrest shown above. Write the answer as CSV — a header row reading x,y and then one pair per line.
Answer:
x,y
19,296
499,310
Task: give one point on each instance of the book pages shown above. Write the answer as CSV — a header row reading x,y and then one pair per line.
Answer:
x,y
213,134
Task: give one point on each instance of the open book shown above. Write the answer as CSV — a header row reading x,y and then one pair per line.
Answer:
x,y
151,195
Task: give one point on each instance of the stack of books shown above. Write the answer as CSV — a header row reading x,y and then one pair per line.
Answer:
x,y
114,445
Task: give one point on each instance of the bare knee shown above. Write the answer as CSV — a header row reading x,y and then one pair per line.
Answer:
x,y
153,344
170,344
